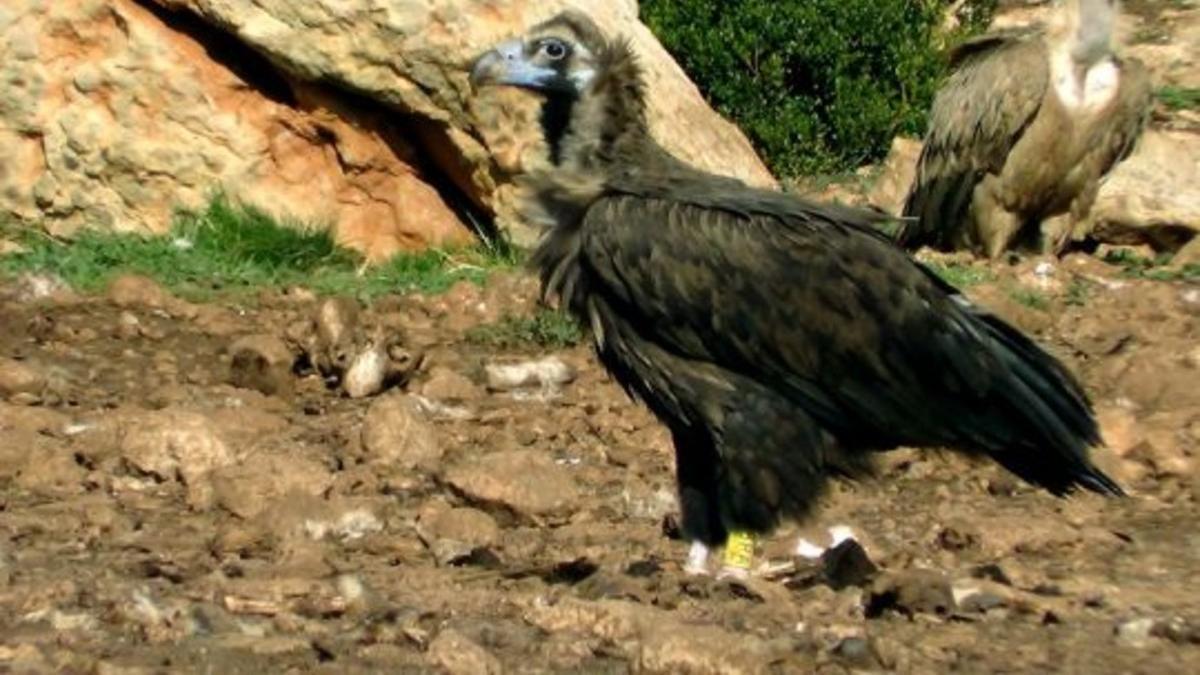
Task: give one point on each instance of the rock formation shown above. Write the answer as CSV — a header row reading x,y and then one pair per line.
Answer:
x,y
354,113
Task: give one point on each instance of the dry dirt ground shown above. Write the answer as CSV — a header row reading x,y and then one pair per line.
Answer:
x,y
156,518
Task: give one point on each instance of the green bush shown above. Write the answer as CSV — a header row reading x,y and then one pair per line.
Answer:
x,y
820,86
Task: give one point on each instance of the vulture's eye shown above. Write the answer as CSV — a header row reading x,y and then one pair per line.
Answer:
x,y
554,49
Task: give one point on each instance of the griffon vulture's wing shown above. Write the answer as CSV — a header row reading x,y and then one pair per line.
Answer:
x,y
979,114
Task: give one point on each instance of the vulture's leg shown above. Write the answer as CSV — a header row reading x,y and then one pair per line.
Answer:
x,y
995,226
696,465
1075,222
1056,233
774,459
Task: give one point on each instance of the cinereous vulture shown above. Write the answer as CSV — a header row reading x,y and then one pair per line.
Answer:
x,y
780,340
1022,133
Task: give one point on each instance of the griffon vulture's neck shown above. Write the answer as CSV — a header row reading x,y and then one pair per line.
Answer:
x,y
1085,74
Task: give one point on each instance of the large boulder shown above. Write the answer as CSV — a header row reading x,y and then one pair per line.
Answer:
x,y
340,111
115,113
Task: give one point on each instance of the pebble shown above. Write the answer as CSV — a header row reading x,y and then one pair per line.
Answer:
x,y
548,373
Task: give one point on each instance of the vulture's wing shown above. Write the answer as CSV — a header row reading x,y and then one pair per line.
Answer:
x,y
812,302
977,117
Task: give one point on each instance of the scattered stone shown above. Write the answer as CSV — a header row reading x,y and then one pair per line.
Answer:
x,y
453,534
263,363
348,525
1136,632
1178,630
248,488
857,651
128,326
911,592
674,648
446,384
527,483
367,372
978,596
395,432
362,357
547,374
336,333
175,444
19,377
847,564
455,654
37,286
132,290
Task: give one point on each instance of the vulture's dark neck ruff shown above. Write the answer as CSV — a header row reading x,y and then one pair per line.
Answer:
x,y
781,341
556,118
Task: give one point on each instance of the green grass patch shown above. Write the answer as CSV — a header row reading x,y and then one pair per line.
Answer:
x,y
1179,98
959,275
544,328
1134,266
1078,292
230,248
1029,298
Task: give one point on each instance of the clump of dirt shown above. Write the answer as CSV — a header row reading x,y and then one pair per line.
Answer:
x,y
154,516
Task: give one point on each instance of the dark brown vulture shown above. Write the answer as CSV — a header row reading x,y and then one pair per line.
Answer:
x,y
780,340
1022,133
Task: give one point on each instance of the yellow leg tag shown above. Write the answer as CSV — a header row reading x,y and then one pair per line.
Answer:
x,y
739,550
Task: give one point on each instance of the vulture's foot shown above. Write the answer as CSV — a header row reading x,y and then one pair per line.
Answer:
x,y
1056,234
739,556
697,560
837,534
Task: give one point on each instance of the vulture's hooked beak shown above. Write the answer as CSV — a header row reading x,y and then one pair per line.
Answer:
x,y
508,64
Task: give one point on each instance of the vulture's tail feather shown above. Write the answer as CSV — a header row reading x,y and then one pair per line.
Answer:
x,y
1060,428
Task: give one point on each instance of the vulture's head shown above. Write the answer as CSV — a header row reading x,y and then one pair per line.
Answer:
x,y
1089,24
591,86
558,57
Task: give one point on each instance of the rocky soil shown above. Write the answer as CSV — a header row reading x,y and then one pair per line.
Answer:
x,y
202,488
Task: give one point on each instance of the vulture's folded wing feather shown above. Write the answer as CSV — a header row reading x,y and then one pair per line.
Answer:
x,y
826,312
995,91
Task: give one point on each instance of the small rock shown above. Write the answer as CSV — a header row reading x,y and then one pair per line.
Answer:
x,y
527,483
18,377
549,373
128,326
263,363
367,372
453,534
337,324
668,647
446,384
1178,630
395,432
980,596
455,654
847,564
856,650
1136,632
132,290
911,592
348,525
174,444
1119,428
247,489
32,287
